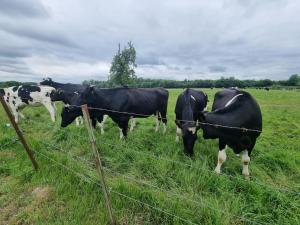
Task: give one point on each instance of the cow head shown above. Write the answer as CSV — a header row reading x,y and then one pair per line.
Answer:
x,y
73,110
189,135
57,95
2,92
69,114
47,81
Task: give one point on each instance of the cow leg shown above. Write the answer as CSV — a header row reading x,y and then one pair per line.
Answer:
x,y
15,113
21,115
102,123
77,121
221,156
132,123
49,106
157,122
178,133
123,127
121,133
165,128
163,117
245,161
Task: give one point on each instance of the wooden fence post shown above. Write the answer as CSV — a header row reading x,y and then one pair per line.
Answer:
x,y
100,171
19,132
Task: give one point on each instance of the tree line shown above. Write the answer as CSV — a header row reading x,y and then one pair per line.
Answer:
x,y
293,81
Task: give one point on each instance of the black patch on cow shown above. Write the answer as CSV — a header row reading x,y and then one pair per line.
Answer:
x,y
8,94
24,92
15,97
47,94
7,99
17,110
14,102
15,88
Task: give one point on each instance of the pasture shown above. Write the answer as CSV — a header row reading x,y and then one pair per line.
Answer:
x,y
151,168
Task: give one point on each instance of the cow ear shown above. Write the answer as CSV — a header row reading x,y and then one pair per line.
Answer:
x,y
201,116
92,89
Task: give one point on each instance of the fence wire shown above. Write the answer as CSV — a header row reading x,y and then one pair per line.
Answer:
x,y
90,179
197,168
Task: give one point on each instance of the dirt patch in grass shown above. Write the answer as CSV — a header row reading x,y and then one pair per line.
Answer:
x,y
42,193
7,154
17,211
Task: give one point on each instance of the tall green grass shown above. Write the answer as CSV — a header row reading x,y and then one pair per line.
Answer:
x,y
152,168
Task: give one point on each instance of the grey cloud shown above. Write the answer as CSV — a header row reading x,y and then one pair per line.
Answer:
x,y
218,69
41,34
173,38
13,53
23,8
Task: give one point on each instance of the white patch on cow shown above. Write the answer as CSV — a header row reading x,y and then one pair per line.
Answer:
x,y
178,133
193,97
245,161
221,159
101,125
231,100
192,129
121,134
132,123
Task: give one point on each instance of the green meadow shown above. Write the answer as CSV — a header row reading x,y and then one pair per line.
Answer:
x,y
150,179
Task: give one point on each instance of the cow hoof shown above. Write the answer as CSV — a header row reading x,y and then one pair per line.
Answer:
x,y
217,171
247,177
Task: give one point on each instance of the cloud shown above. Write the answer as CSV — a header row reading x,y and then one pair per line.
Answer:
x,y
21,8
174,39
218,69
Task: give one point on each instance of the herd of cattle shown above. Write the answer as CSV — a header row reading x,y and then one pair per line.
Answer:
x,y
235,118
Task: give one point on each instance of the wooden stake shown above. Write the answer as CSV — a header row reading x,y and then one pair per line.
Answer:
x,y
19,133
100,171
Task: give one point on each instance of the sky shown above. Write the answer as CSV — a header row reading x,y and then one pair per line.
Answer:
x,y
75,40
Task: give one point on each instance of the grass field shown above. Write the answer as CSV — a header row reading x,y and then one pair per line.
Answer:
x,y
150,167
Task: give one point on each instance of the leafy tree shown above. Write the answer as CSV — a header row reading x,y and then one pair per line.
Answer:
x,y
123,65
293,80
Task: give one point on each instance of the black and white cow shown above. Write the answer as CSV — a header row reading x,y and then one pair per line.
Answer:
x,y
189,107
19,97
236,109
67,93
120,104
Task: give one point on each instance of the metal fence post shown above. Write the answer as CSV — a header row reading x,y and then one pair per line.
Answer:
x,y
19,133
100,171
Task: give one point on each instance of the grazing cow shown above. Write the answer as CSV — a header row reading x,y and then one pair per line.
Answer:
x,y
120,104
66,93
188,110
240,111
19,97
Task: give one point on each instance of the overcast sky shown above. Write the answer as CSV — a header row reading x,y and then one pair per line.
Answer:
x,y
74,40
